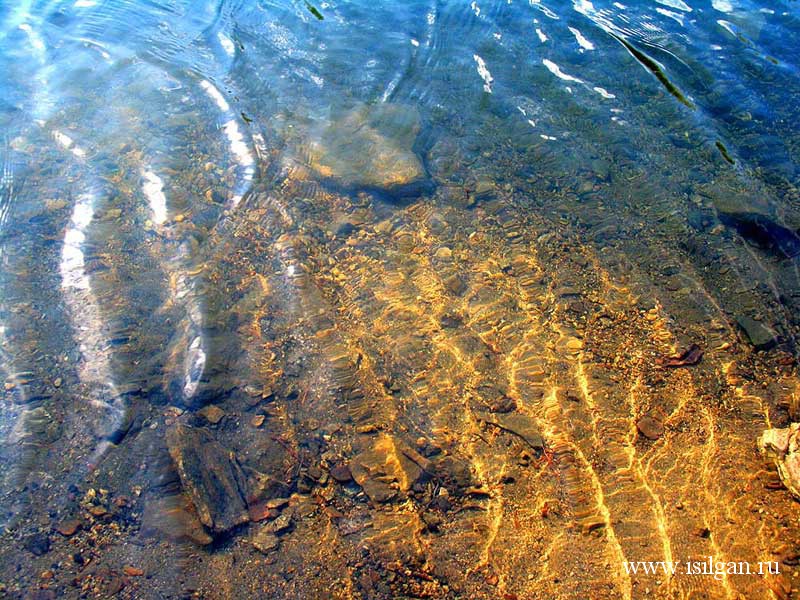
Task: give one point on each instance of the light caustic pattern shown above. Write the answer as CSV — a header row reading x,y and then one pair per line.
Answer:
x,y
422,325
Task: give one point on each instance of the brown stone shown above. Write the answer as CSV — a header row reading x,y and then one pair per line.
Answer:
x,y
277,502
341,473
97,510
385,468
69,527
261,512
574,345
783,446
211,477
265,541
650,427
212,413
173,517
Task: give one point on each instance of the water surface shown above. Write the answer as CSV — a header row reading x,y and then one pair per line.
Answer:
x,y
388,300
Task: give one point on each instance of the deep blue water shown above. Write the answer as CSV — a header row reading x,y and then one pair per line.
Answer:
x,y
140,141
103,71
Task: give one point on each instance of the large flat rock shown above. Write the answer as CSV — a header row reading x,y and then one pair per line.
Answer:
x,y
370,146
210,476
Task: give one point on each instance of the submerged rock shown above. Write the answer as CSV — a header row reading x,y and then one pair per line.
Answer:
x,y
518,424
764,232
212,413
485,190
688,357
37,544
650,427
754,219
371,147
210,476
265,541
69,527
760,335
783,446
173,517
281,524
385,468
341,473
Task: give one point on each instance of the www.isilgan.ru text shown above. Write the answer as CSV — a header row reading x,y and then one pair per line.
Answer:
x,y
710,567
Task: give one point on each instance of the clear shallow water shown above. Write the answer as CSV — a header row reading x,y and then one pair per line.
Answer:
x,y
158,159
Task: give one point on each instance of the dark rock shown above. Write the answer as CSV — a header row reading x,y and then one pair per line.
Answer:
x,y
450,321
699,219
702,532
442,503
763,232
341,473
504,404
37,544
378,491
760,336
455,472
345,229
568,291
265,487
689,357
485,190
211,477
432,520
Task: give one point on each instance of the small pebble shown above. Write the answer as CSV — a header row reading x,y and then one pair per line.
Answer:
x,y
69,527
574,345
341,473
444,253
212,413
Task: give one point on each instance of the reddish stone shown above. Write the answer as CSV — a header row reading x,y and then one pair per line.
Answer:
x,y
261,512
70,527
650,427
